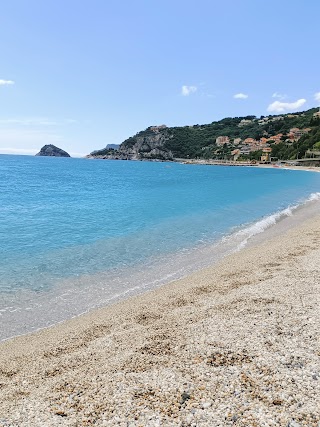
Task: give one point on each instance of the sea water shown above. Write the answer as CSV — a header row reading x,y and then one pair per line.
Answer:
x,y
77,234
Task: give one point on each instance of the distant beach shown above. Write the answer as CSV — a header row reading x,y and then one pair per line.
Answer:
x,y
234,344
249,164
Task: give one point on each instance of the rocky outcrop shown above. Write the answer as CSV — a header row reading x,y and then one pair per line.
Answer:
x,y
149,144
52,151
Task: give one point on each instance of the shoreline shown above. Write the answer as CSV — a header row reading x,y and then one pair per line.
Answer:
x,y
72,298
214,348
216,163
248,164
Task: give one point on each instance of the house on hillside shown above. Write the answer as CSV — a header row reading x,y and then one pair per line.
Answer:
x,y
244,122
245,150
296,133
276,138
235,153
157,129
250,141
221,140
263,140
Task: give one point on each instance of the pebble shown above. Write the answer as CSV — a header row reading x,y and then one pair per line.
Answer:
x,y
294,424
251,383
206,405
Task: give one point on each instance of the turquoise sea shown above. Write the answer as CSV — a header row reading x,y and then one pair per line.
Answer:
x,y
76,233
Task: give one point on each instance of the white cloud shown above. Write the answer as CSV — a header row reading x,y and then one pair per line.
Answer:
x,y
27,151
26,135
281,107
188,90
6,82
36,121
29,121
240,96
33,151
279,95
27,141
317,96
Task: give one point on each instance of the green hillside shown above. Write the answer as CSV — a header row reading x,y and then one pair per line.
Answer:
x,y
200,141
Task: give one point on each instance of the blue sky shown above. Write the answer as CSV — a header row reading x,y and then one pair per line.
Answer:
x,y
82,74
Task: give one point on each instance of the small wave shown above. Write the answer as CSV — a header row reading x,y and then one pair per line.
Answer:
x,y
245,234
313,197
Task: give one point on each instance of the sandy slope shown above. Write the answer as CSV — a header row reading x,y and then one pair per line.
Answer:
x,y
232,345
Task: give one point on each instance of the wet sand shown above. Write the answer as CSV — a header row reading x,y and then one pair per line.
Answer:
x,y
236,344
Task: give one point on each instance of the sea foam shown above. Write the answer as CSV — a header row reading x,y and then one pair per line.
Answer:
x,y
248,232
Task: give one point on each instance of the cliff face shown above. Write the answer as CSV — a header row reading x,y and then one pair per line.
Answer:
x,y
52,151
148,144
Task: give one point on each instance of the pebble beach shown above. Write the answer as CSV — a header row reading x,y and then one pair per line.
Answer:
x,y
236,344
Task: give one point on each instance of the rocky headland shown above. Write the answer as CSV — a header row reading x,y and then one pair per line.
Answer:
x,y
149,144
